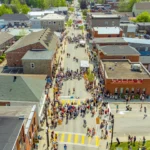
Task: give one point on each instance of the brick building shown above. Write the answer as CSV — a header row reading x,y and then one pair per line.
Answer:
x,y
104,32
30,125
121,79
44,40
12,133
118,52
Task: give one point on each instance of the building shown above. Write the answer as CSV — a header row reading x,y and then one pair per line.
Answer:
x,y
16,20
12,133
118,52
55,22
145,60
30,124
140,7
121,79
23,91
6,40
44,40
143,27
104,32
36,23
142,45
59,10
129,30
108,41
103,20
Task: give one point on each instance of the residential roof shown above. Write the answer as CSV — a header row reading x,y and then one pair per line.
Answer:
x,y
9,130
39,55
108,40
142,5
20,17
137,40
143,23
53,17
145,59
4,36
118,50
24,88
105,16
42,37
108,30
122,69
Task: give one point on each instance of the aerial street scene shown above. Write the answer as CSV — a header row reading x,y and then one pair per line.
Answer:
x,y
74,75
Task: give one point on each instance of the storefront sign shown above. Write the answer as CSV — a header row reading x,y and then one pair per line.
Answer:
x,y
127,81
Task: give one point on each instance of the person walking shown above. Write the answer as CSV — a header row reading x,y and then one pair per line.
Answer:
x,y
117,108
134,139
65,147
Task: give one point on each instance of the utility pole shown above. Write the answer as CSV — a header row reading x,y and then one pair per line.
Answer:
x,y
47,132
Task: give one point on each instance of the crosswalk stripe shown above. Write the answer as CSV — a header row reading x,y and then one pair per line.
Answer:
x,y
82,140
97,141
89,140
69,137
76,138
62,137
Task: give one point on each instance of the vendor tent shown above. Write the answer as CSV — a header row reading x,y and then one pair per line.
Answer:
x,y
82,42
84,64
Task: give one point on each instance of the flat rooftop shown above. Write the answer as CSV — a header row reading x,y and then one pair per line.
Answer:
x,y
9,131
123,70
107,30
53,17
105,16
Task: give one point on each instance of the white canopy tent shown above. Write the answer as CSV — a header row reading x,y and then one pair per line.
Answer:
x,y
84,64
82,42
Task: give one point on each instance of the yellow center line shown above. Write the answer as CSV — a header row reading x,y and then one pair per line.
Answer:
x,y
62,137
76,138
69,137
82,140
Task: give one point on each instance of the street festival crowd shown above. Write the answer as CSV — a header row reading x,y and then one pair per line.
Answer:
x,y
64,112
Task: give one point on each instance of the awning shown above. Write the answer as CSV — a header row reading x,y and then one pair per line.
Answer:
x,y
84,64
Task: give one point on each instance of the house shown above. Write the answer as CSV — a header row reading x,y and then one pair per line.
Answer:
x,y
103,20
18,56
121,79
28,115
36,23
143,27
140,7
12,133
6,40
118,52
129,30
55,22
16,20
145,60
104,32
23,90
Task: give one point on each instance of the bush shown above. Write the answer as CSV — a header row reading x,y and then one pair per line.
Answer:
x,y
1,61
2,57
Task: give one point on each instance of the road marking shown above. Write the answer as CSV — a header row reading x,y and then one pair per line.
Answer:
x,y
97,141
89,145
62,137
82,139
76,138
89,140
69,137
70,133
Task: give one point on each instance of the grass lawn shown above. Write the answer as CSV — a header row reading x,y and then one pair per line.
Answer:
x,y
124,146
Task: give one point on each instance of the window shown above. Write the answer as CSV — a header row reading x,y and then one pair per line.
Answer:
x,y
121,90
124,57
132,90
32,65
49,22
109,35
116,90
106,22
54,22
113,23
127,90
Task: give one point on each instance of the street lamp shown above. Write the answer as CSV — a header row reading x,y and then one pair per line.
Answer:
x,y
112,129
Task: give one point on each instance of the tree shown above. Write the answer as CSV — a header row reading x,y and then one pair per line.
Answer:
x,y
5,10
122,6
25,9
83,4
22,33
71,9
143,17
131,3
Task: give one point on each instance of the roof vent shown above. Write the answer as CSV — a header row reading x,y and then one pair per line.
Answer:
x,y
14,78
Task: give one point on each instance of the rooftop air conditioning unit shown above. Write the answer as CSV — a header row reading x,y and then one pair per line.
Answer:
x,y
136,67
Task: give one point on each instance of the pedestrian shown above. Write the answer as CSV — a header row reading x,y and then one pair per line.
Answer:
x,y
118,141
129,137
117,108
65,147
144,140
134,139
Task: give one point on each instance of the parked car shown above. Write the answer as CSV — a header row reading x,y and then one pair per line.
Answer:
x,y
146,36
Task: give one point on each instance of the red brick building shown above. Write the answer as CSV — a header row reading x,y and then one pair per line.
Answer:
x,y
104,32
121,79
118,52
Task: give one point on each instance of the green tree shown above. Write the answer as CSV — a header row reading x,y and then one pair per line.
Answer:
x,y
143,17
17,4
122,6
25,9
131,3
22,33
71,9
5,10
